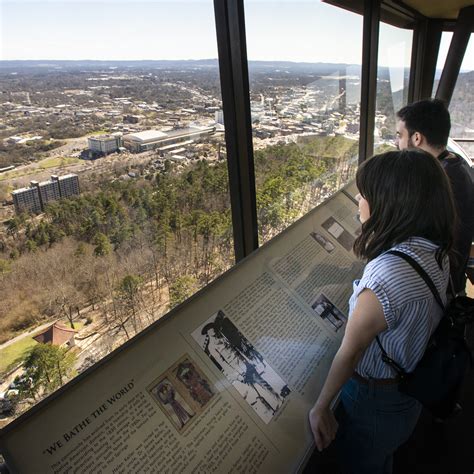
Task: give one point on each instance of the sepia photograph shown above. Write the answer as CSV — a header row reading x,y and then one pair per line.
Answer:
x,y
182,392
327,311
243,366
172,403
193,381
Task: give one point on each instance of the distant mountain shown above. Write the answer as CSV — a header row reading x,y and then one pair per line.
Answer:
x,y
9,66
46,66
54,65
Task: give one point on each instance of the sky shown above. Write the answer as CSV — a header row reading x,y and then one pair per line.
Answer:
x,y
304,30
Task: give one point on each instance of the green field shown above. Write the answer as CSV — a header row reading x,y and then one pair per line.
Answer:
x,y
16,174
14,353
55,162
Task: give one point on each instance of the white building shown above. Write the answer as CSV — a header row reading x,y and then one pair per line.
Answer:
x,y
219,117
152,139
105,144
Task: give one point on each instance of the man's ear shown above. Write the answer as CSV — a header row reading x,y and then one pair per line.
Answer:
x,y
418,139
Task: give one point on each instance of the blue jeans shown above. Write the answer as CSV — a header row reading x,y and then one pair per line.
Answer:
x,y
374,420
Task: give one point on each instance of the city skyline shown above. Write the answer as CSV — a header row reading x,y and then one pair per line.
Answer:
x,y
160,30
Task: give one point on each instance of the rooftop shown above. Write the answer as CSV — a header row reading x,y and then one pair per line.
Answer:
x,y
55,334
102,137
67,176
146,135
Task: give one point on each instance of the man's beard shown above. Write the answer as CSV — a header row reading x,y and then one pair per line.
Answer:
x,y
410,143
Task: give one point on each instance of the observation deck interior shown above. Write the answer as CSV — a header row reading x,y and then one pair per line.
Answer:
x,y
434,447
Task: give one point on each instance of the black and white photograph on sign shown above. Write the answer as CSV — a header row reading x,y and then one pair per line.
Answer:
x,y
172,403
345,238
321,240
327,311
243,366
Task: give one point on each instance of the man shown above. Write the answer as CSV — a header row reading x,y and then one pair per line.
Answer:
x,y
426,124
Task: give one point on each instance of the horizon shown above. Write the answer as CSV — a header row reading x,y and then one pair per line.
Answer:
x,y
44,62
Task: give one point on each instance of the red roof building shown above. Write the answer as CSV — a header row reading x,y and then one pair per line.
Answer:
x,y
57,335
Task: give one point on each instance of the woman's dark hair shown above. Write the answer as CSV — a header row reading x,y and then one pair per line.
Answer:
x,y
409,195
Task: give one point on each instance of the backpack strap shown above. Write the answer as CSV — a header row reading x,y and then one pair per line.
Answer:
x,y
419,269
429,282
400,371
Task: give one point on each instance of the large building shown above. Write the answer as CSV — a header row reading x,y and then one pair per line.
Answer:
x,y
152,139
105,144
35,198
68,185
219,117
48,191
27,200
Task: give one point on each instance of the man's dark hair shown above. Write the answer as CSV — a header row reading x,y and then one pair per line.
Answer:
x,y
409,195
428,117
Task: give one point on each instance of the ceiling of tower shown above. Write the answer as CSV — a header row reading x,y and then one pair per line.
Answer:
x,y
439,8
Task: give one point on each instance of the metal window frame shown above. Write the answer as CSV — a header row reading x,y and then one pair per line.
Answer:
x,y
233,69
370,40
424,56
457,48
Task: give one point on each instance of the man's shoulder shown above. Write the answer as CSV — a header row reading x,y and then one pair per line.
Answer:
x,y
459,172
449,159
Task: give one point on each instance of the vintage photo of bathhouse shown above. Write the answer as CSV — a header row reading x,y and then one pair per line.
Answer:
x,y
242,365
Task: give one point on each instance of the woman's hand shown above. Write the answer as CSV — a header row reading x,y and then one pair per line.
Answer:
x,y
323,425
367,320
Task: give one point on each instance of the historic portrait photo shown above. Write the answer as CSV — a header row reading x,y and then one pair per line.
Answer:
x,y
327,311
196,384
182,392
344,237
325,244
172,403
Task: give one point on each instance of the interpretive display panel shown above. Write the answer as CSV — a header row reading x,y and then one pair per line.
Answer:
x,y
221,384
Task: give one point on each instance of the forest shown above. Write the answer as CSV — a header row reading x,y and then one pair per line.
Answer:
x,y
120,248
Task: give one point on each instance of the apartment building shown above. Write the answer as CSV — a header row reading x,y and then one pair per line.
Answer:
x,y
27,200
35,198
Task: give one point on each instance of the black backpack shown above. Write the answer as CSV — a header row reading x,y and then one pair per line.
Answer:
x,y
438,376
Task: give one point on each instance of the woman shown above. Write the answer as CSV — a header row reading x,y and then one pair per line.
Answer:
x,y
405,203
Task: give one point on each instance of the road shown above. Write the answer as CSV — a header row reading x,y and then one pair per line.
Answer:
x,y
25,334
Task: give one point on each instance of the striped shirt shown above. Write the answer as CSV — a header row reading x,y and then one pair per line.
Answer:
x,y
408,305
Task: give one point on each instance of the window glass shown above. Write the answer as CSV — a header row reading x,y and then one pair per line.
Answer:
x,y
304,67
461,106
462,112
446,37
113,180
392,82
461,109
